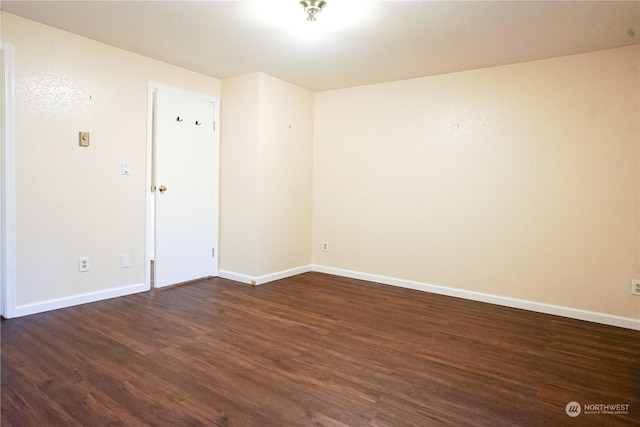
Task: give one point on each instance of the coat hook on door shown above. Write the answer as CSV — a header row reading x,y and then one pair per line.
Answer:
x,y
198,123
179,119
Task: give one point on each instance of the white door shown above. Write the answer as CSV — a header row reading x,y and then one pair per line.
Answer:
x,y
186,180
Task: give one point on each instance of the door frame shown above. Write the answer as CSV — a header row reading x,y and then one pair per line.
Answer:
x,y
152,87
8,202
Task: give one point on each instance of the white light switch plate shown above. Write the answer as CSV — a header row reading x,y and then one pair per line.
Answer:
x,y
125,261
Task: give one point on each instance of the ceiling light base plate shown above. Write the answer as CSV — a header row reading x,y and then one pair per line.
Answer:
x,y
311,7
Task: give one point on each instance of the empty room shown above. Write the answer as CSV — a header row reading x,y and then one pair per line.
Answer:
x,y
320,213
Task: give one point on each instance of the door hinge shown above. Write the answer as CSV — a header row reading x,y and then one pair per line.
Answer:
x,y
213,252
214,126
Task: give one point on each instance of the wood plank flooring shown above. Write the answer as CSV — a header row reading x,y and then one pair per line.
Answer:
x,y
311,350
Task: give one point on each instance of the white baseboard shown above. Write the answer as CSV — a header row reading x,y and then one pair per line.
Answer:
x,y
261,280
573,313
236,277
54,304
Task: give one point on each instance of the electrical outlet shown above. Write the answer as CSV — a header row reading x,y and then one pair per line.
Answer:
x,y
635,287
325,246
83,264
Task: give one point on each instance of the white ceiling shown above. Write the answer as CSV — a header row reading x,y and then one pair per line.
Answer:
x,y
363,42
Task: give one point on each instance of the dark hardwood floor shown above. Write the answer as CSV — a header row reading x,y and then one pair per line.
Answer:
x,y
311,350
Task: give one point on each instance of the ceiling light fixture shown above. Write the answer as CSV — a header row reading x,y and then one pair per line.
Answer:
x,y
311,7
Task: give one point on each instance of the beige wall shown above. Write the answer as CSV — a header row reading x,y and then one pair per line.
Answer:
x,y
239,135
519,181
285,177
73,201
267,154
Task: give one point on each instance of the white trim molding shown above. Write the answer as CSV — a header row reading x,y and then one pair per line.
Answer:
x,y
266,278
573,313
54,304
236,277
8,202
261,280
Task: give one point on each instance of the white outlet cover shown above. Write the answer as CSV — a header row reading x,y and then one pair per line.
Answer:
x,y
83,264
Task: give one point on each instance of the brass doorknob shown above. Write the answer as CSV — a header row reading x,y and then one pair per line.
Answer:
x,y
162,188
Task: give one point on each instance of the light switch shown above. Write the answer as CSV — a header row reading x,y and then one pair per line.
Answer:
x,y
125,168
83,138
125,261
